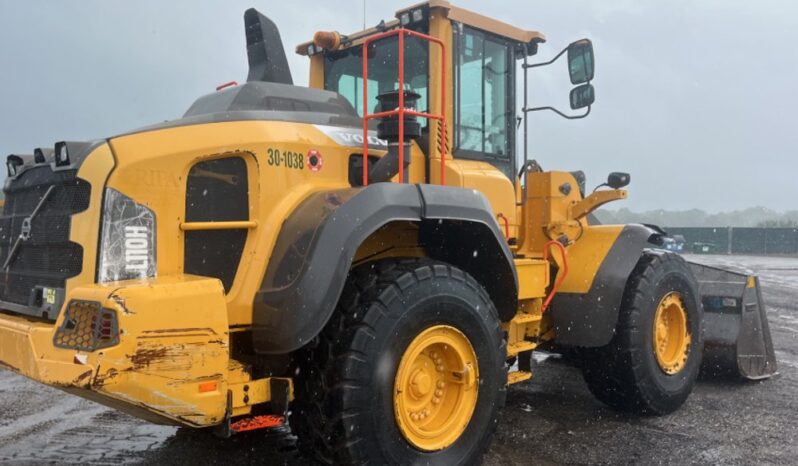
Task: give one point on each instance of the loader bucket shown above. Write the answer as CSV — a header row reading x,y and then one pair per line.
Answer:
x,y
737,337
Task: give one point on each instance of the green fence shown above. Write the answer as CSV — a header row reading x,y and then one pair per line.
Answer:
x,y
731,240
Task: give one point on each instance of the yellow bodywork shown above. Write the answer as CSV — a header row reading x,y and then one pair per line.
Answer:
x,y
174,363
175,328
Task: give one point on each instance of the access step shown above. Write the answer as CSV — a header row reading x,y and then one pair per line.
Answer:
x,y
267,421
525,318
518,376
513,349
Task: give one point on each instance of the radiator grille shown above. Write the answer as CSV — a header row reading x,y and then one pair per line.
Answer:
x,y
216,191
47,258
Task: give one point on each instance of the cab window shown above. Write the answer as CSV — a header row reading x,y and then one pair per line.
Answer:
x,y
484,98
343,71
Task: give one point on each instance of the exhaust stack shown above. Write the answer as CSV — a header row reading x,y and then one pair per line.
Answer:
x,y
388,128
267,60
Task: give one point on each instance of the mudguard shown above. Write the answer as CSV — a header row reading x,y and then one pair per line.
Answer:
x,y
589,319
317,242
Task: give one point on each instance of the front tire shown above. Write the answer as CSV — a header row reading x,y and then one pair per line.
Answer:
x,y
650,365
370,391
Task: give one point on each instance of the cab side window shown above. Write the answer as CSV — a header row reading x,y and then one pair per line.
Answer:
x,y
484,98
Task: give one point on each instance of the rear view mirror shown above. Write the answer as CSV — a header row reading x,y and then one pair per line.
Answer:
x,y
580,61
582,96
618,180
580,69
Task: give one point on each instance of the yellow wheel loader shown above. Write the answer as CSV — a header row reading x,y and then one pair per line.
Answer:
x,y
373,254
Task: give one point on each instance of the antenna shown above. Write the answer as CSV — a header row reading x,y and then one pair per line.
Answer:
x,y
364,15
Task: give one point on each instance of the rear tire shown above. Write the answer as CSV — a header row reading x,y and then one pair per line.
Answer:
x,y
344,410
629,372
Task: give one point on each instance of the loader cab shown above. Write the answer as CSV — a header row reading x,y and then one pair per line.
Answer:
x,y
481,73
474,88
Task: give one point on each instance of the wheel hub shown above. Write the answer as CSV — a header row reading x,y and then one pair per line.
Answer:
x,y
671,334
421,384
435,391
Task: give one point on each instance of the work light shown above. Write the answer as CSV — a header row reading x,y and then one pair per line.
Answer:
x,y
61,154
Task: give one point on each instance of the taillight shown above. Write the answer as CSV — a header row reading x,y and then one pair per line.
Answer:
x,y
87,326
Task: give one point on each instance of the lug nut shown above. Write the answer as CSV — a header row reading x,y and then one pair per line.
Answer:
x,y
439,368
436,400
441,384
439,393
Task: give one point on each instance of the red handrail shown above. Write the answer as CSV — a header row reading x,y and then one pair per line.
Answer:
x,y
560,274
400,112
227,84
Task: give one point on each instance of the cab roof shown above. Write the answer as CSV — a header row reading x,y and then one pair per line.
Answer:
x,y
453,13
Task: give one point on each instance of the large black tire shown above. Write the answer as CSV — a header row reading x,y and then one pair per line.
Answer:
x,y
625,373
344,412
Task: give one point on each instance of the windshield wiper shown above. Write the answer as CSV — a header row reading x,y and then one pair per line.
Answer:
x,y
24,234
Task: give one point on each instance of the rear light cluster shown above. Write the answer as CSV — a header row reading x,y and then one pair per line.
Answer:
x,y
88,327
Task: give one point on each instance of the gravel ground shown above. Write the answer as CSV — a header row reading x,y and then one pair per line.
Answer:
x,y
552,419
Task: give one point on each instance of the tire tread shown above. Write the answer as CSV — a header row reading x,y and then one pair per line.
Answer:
x,y
327,395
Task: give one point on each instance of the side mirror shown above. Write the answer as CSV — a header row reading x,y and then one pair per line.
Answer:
x,y
618,180
581,65
582,96
580,69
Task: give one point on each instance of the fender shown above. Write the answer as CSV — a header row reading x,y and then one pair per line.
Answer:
x,y
589,319
317,242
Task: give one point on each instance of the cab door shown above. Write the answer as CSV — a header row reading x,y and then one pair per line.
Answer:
x,y
484,118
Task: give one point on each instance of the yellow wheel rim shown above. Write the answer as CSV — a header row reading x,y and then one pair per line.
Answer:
x,y
671,335
435,391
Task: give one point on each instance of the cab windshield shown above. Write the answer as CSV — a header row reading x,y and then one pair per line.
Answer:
x,y
343,71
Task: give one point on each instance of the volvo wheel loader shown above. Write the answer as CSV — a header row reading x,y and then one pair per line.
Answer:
x,y
373,254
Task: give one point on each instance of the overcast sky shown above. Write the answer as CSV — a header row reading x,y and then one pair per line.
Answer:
x,y
695,99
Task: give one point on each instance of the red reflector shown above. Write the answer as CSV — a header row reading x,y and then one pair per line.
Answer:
x,y
206,387
257,422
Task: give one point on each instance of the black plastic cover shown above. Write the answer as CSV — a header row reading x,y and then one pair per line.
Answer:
x,y
317,242
589,319
266,102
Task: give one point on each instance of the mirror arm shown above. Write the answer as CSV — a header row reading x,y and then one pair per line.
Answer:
x,y
570,117
594,201
535,65
525,67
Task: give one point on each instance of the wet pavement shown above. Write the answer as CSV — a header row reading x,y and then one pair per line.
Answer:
x,y
551,419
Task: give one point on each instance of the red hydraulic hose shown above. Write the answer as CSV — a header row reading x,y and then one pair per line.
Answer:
x,y
561,274
506,226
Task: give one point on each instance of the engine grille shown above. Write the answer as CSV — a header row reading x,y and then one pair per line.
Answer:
x,y
47,258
